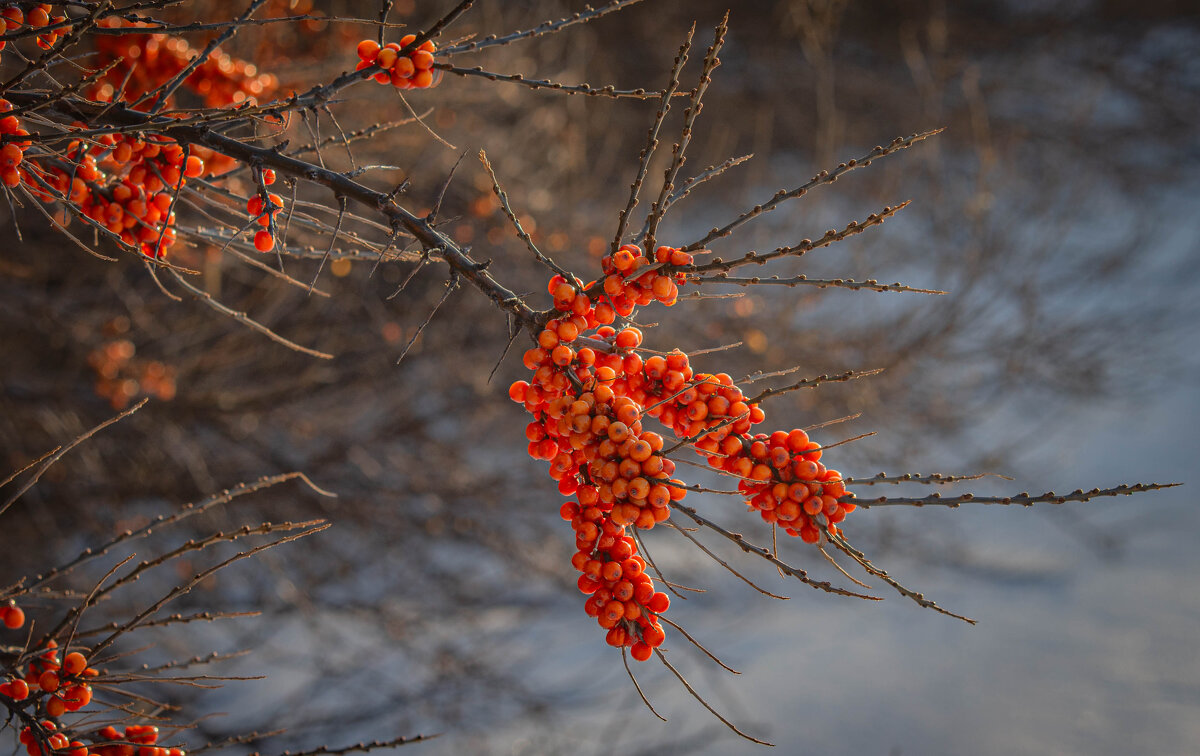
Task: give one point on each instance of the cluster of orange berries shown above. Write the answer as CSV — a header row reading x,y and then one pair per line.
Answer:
x,y
264,213
412,71
627,288
58,742
144,61
37,17
137,740
589,393
12,153
66,682
783,478
621,596
120,378
124,183
132,196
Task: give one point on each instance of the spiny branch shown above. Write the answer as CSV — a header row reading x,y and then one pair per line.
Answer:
x,y
821,283
750,548
821,179
658,209
806,245
585,89
548,27
1022,499
57,455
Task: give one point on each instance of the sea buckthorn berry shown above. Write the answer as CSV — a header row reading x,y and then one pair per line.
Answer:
x,y
194,167
77,696
14,617
517,392
56,707
659,603
653,635
616,637
74,663
369,49
263,241
628,338
422,59
48,681
18,690
386,57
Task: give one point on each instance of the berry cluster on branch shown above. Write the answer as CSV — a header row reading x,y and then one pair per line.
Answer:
x,y
589,393
139,63
401,67
37,17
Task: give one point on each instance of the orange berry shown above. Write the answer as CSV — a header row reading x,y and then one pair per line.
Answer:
x,y
422,80
611,571
194,167
74,663
659,602
48,681
78,696
263,241
517,392
628,338
632,567
653,636
368,49
38,17
422,59
639,488
562,355
387,58
404,68
19,690
616,637
618,432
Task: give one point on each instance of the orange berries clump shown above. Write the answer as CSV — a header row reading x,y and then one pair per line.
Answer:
x,y
37,17
590,391
264,214
66,682
124,183
136,739
12,153
631,280
783,478
120,378
144,61
413,70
